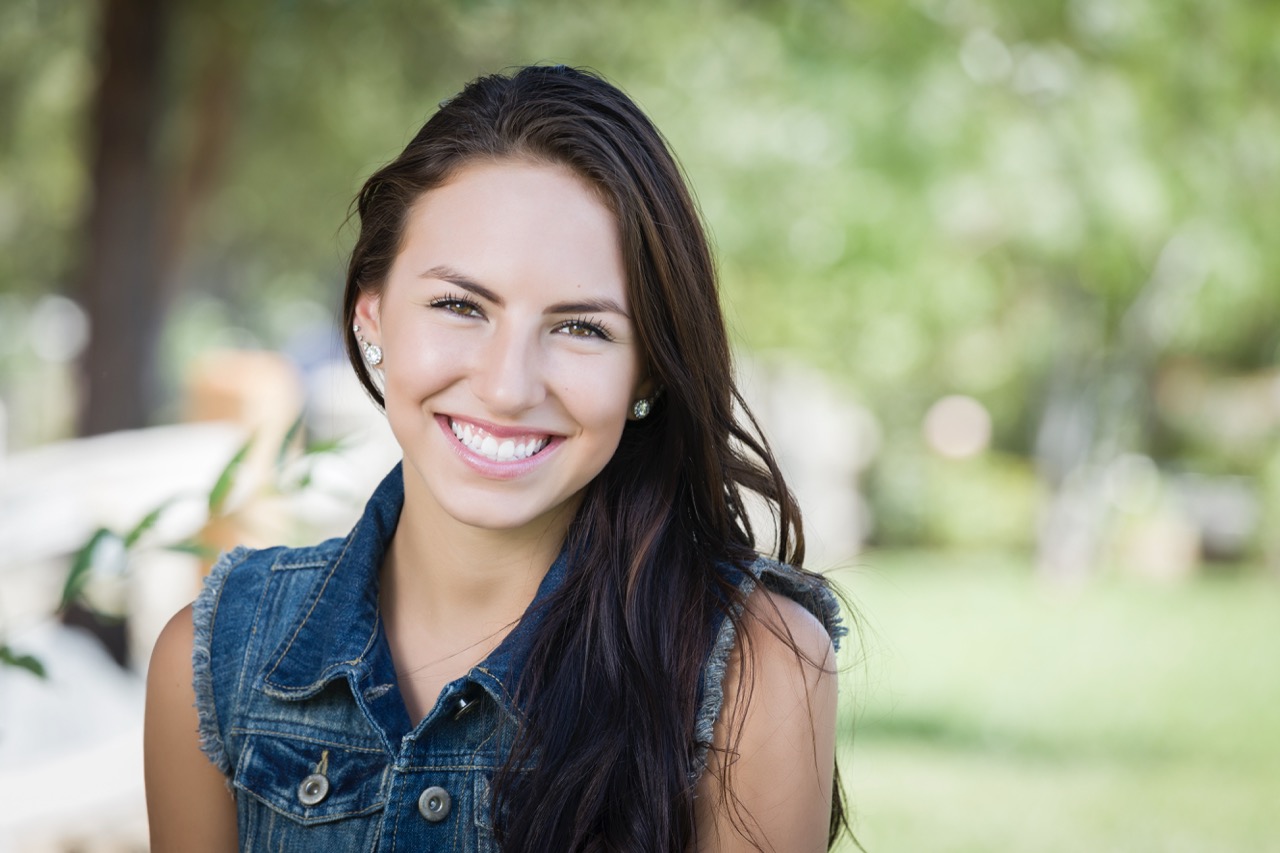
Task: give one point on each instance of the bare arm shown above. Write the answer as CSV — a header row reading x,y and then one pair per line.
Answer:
x,y
189,807
769,781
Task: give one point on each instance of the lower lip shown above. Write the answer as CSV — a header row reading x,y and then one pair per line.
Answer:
x,y
490,469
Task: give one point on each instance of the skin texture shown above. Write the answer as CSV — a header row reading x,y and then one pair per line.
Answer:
x,y
506,309
775,736
188,805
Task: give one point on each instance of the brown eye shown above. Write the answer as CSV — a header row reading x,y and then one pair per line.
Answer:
x,y
461,307
582,328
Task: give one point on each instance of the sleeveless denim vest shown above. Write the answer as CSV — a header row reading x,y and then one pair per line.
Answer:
x,y
299,707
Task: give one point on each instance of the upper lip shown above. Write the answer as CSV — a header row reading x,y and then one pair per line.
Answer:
x,y
499,431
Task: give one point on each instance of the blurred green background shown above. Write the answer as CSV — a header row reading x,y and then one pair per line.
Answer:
x,y
1025,240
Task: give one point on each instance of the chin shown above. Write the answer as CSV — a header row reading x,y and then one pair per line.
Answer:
x,y
490,515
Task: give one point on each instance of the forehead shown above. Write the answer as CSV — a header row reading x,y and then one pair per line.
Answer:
x,y
516,221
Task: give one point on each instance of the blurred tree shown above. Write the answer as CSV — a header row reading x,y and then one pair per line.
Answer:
x,y
120,282
141,202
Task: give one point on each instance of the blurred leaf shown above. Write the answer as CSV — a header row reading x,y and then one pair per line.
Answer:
x,y
80,566
8,657
327,446
283,454
196,549
222,487
148,521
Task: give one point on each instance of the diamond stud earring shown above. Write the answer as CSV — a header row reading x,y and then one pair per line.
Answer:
x,y
372,352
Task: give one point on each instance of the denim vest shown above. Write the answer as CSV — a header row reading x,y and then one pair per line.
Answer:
x,y
299,707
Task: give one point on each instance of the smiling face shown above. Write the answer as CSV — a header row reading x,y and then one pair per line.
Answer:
x,y
509,360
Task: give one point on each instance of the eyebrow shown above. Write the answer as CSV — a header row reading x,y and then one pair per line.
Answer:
x,y
599,305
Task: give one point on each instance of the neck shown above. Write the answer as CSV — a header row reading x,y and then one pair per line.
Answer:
x,y
450,573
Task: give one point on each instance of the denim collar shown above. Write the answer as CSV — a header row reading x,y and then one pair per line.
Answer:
x,y
337,632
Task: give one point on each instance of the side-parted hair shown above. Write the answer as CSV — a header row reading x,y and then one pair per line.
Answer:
x,y
613,681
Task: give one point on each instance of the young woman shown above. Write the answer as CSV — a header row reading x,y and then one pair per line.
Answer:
x,y
550,630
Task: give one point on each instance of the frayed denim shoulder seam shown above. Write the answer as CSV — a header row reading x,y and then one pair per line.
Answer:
x,y
807,590
713,680
203,613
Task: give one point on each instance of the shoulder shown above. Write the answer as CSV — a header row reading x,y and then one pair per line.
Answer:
x,y
786,645
171,655
780,633
769,772
795,590
189,806
783,615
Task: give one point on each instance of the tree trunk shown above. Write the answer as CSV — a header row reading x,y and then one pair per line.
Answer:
x,y
121,275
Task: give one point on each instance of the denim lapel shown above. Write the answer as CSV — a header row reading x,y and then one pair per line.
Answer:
x,y
336,628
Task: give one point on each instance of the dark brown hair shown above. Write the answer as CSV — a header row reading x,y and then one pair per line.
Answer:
x,y
611,686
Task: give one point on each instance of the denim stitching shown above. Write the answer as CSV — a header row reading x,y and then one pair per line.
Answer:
x,y
508,705
266,799
314,601
445,768
314,563
479,806
244,730
250,646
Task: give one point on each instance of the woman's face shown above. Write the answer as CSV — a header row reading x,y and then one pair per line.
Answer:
x,y
510,361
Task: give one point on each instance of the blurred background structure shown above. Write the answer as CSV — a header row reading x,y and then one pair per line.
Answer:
x,y
999,277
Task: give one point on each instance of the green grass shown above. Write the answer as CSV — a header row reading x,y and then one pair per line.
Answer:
x,y
990,712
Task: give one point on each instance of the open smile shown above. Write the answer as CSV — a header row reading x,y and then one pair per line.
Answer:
x,y
498,444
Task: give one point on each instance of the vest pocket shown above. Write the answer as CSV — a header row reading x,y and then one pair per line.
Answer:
x,y
311,782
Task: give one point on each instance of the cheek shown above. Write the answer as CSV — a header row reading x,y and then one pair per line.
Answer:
x,y
598,393
421,362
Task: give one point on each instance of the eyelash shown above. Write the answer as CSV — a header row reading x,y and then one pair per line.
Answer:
x,y
453,302
595,329
464,307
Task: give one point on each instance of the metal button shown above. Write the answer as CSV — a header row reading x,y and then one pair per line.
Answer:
x,y
464,704
313,789
434,804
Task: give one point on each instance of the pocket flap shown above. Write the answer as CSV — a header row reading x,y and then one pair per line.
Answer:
x,y
274,767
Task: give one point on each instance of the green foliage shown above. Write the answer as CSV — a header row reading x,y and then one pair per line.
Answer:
x,y
921,500
82,564
8,657
109,551
922,198
226,479
46,75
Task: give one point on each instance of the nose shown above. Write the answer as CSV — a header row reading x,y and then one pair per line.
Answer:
x,y
507,375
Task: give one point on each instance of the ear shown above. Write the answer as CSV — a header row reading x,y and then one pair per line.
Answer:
x,y
369,315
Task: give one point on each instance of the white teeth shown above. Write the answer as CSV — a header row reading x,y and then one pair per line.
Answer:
x,y
504,450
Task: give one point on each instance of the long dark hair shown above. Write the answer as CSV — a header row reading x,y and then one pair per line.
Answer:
x,y
607,758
